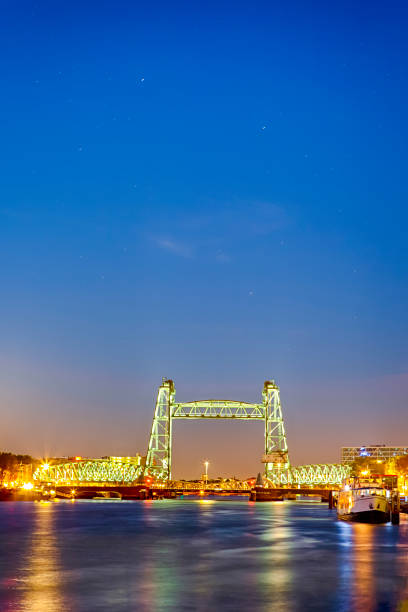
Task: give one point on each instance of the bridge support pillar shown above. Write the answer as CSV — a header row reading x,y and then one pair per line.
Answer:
x,y
158,460
276,456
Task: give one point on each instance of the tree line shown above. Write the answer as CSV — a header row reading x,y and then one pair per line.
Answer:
x,y
11,465
394,465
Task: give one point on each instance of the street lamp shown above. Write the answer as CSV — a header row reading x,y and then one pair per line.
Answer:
x,y
206,464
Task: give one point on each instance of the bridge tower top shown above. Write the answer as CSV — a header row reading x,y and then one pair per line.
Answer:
x,y
270,384
167,382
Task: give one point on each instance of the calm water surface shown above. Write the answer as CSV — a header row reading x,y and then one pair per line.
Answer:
x,y
196,555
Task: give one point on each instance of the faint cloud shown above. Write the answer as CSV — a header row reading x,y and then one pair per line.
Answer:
x,y
177,248
215,229
266,217
222,257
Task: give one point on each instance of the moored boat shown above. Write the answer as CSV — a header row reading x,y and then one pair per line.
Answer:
x,y
364,502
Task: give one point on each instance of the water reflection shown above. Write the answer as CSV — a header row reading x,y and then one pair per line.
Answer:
x,y
184,555
363,582
161,583
42,591
402,552
375,566
344,594
276,581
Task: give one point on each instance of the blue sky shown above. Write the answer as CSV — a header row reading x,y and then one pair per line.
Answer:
x,y
214,192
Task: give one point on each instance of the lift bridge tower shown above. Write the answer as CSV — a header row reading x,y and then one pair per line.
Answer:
x,y
269,412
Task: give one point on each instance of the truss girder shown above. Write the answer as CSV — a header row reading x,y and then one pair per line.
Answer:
x,y
93,470
311,475
218,409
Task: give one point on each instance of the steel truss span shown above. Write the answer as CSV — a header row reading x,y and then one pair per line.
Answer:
x,y
108,470
325,474
278,470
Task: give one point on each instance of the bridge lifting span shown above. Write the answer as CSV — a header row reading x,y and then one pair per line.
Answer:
x,y
278,470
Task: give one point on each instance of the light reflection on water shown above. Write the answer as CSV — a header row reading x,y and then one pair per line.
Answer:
x,y
363,565
42,585
196,554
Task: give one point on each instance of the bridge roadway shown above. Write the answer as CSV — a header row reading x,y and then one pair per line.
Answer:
x,y
143,491
254,494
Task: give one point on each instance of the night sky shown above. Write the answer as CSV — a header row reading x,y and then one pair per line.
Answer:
x,y
212,192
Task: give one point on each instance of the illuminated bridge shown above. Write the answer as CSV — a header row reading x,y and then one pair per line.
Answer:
x,y
118,470
278,470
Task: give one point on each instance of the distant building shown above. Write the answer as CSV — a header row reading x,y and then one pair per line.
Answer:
x,y
376,451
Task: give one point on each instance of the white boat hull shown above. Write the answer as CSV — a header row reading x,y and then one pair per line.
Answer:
x,y
366,509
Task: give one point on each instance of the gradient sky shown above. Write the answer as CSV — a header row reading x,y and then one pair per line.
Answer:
x,y
213,192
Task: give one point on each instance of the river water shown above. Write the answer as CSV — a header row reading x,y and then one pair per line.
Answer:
x,y
197,554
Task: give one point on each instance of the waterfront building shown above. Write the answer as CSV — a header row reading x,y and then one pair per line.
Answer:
x,y
374,451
